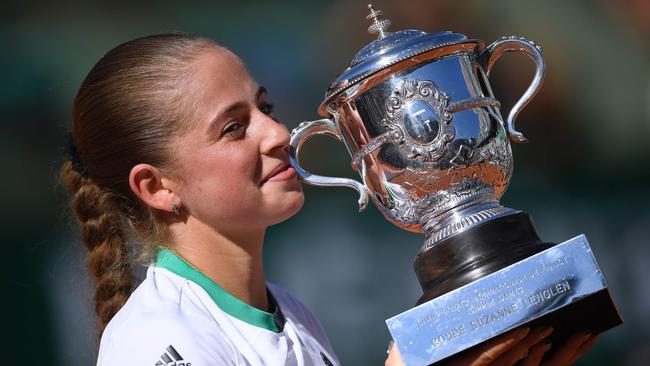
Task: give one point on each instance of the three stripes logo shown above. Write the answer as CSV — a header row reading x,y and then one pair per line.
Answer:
x,y
171,357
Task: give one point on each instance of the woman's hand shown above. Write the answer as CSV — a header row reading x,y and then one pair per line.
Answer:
x,y
520,344
572,350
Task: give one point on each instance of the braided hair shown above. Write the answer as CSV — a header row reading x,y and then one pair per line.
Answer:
x,y
128,110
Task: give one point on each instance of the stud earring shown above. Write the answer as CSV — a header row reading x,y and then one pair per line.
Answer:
x,y
175,209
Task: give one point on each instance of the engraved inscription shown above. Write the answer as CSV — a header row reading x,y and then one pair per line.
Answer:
x,y
505,291
449,336
487,298
545,267
498,303
546,294
510,294
501,313
426,319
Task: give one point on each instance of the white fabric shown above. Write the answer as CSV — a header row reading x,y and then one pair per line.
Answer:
x,y
169,310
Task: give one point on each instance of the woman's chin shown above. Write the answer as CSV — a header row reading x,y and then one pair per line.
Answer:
x,y
289,206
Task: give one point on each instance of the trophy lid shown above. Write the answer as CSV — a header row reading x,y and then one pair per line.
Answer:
x,y
388,49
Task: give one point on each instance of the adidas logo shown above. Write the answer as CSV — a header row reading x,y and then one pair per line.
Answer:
x,y
171,357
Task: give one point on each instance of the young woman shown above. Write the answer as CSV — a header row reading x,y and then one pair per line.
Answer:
x,y
172,139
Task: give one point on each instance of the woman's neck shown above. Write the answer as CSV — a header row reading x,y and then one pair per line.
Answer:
x,y
233,261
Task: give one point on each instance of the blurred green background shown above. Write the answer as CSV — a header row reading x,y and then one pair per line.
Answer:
x,y
585,169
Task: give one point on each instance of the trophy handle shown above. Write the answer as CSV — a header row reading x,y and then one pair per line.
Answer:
x,y
304,131
508,44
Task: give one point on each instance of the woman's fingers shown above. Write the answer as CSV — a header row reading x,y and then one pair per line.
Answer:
x,y
584,348
517,345
522,348
536,353
569,351
489,351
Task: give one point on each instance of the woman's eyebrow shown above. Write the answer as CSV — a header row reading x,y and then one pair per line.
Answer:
x,y
233,107
222,114
261,90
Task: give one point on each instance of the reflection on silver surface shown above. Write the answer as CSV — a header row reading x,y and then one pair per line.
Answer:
x,y
424,130
496,303
323,127
517,44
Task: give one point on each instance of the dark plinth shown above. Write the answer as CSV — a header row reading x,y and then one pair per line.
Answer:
x,y
475,253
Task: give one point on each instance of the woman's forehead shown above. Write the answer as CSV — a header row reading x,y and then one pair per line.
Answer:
x,y
220,78
223,69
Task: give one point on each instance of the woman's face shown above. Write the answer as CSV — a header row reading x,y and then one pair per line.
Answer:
x,y
233,163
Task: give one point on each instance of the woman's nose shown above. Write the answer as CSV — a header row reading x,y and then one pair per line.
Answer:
x,y
275,136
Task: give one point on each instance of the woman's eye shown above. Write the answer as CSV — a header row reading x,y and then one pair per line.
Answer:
x,y
233,128
266,108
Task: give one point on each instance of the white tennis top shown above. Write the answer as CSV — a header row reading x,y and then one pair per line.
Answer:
x,y
180,317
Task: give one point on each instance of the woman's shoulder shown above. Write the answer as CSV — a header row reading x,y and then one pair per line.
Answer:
x,y
160,336
161,295
163,321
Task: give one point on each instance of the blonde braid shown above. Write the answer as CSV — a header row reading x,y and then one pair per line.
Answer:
x,y
102,229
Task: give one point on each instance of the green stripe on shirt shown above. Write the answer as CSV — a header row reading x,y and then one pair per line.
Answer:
x,y
225,301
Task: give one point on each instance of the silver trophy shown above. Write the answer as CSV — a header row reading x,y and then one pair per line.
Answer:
x,y
425,132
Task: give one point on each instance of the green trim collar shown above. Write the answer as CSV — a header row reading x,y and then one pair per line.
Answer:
x,y
224,300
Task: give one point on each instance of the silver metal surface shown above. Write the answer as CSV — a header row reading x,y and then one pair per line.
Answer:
x,y
327,127
379,26
388,49
424,130
517,44
496,303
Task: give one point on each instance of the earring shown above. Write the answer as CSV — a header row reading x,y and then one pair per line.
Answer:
x,y
175,209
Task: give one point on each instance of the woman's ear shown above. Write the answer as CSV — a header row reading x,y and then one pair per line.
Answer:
x,y
149,184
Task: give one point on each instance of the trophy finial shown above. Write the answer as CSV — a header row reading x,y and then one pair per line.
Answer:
x,y
379,26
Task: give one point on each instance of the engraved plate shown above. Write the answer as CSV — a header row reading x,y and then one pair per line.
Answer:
x,y
496,303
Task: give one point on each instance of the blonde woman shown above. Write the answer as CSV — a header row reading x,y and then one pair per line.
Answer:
x,y
174,141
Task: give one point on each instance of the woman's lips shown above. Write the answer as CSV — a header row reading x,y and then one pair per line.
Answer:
x,y
285,174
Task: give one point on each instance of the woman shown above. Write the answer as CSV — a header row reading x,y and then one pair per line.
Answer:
x,y
172,138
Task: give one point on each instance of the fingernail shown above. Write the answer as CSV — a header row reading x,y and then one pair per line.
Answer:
x,y
547,346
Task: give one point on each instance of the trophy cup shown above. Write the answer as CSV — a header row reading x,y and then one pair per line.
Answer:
x,y
425,133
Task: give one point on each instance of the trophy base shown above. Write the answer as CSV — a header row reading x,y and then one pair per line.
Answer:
x,y
495,277
476,252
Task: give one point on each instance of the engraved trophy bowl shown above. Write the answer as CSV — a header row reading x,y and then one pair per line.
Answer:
x,y
424,130
425,133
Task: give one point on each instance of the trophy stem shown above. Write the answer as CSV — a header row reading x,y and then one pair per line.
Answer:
x,y
483,248
440,224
